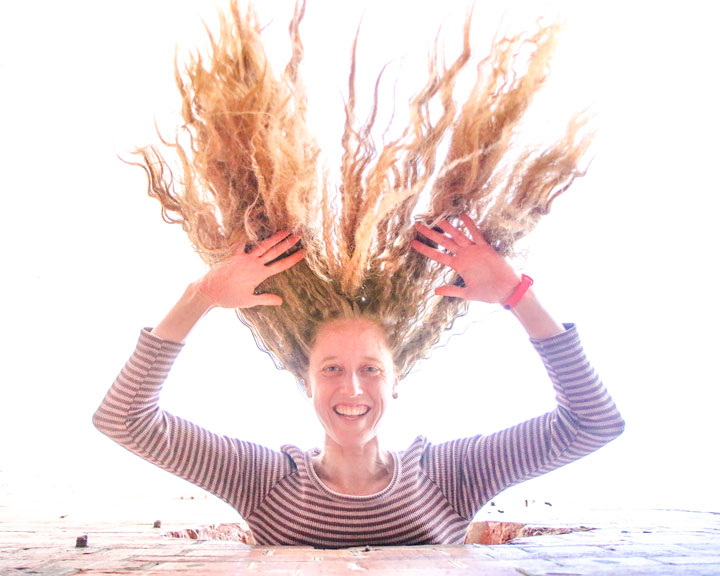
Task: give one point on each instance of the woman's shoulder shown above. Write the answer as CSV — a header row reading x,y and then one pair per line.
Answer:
x,y
414,452
297,456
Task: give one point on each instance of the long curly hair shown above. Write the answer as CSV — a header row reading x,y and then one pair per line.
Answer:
x,y
250,167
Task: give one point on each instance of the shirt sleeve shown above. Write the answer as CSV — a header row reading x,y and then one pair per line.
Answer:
x,y
241,473
470,471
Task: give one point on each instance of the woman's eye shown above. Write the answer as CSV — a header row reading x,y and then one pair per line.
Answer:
x,y
331,369
371,370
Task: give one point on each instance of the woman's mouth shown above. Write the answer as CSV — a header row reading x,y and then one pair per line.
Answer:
x,y
350,410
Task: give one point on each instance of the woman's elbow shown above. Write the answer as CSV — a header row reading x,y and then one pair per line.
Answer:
x,y
613,427
107,423
98,421
620,425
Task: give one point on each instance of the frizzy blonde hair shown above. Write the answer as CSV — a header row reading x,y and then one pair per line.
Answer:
x,y
250,168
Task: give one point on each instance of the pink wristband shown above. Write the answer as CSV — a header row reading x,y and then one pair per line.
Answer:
x,y
518,293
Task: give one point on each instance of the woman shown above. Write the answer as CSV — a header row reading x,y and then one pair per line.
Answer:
x,y
351,492
351,312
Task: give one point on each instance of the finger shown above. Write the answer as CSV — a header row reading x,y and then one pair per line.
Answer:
x,y
425,250
452,291
474,231
454,233
436,237
286,263
279,248
266,300
268,243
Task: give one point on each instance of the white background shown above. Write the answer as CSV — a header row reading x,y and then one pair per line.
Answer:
x,y
628,253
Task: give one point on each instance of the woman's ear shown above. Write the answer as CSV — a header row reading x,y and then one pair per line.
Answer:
x,y
394,388
308,390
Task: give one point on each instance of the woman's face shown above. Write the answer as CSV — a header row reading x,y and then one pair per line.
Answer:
x,y
351,379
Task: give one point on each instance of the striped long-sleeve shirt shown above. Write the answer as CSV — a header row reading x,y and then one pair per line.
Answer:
x,y
435,490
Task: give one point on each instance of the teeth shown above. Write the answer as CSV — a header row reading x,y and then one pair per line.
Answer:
x,y
350,410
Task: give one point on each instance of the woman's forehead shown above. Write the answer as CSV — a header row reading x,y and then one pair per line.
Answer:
x,y
344,335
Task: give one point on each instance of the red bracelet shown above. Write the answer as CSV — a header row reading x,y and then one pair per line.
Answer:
x,y
518,293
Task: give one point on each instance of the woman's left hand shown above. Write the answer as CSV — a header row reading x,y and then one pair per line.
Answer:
x,y
488,277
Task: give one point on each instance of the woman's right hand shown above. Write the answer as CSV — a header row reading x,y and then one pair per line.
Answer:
x,y
232,283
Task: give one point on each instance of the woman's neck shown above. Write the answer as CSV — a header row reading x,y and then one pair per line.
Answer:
x,y
355,470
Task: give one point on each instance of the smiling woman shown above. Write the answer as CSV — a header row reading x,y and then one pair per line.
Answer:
x,y
352,492
365,297
351,380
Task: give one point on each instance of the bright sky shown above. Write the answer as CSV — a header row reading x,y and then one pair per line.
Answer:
x,y
627,254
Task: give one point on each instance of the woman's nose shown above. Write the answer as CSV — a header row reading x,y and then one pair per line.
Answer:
x,y
351,385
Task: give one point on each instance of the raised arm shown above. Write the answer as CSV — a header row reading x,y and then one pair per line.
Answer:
x,y
472,470
231,284
238,472
487,276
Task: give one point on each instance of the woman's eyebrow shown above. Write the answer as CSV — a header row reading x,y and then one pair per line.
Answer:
x,y
373,358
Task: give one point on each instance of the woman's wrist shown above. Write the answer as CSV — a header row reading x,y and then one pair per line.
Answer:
x,y
181,319
537,321
197,299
